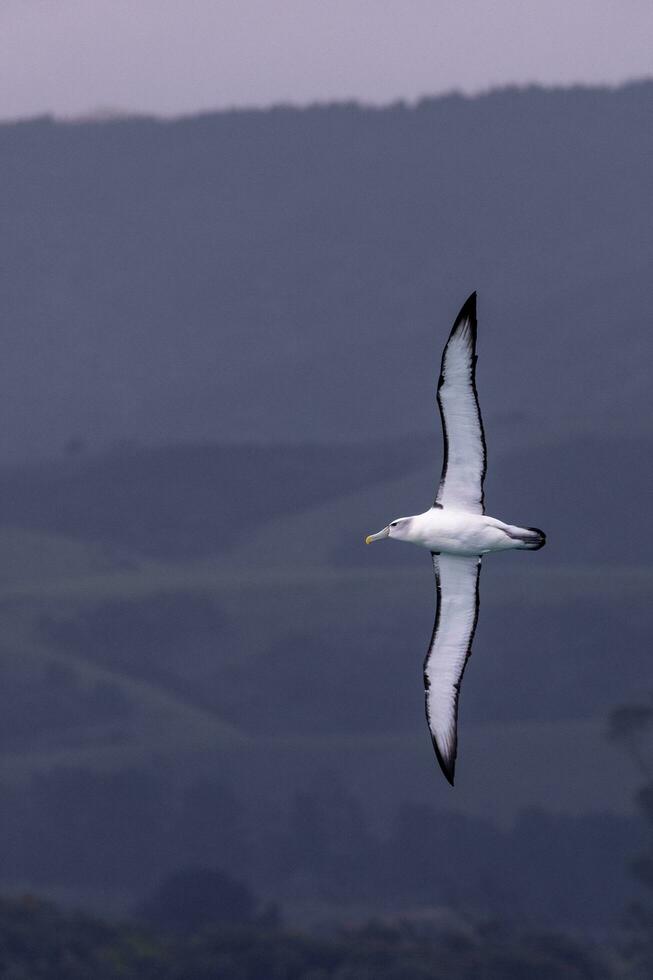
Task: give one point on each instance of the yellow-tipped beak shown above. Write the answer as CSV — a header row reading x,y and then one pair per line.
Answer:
x,y
377,537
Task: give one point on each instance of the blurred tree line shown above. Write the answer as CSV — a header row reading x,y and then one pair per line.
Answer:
x,y
39,941
320,846
631,726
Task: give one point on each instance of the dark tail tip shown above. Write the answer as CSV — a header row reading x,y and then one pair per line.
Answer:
x,y
541,538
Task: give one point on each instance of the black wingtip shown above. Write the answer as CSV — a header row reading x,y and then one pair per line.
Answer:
x,y
448,766
467,311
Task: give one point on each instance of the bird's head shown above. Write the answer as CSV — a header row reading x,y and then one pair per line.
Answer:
x,y
399,528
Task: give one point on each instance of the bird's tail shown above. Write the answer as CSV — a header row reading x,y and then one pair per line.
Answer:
x,y
528,538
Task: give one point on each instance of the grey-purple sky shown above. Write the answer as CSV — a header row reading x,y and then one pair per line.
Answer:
x,y
71,57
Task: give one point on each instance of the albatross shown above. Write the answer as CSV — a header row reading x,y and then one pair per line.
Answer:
x,y
457,532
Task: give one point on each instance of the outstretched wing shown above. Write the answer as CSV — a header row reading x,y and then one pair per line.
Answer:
x,y
456,583
463,470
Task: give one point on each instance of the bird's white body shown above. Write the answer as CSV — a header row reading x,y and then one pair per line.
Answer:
x,y
448,531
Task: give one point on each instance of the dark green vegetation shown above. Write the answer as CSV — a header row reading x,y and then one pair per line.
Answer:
x,y
39,942
631,727
221,338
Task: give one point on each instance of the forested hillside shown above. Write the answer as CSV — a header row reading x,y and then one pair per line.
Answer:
x,y
289,275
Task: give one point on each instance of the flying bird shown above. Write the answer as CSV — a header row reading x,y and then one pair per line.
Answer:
x,y
457,532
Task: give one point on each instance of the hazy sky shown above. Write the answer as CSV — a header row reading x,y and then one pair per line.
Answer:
x,y
175,56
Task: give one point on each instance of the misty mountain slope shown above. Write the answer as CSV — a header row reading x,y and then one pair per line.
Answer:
x,y
332,651
307,700
149,678
222,578
315,504
30,558
570,489
156,661
292,274
188,501
65,702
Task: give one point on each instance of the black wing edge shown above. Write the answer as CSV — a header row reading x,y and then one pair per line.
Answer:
x,y
448,763
467,314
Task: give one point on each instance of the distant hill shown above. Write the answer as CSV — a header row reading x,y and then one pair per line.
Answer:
x,y
292,504
243,558
290,275
193,500
197,644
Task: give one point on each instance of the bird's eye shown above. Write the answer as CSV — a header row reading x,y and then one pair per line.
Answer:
x,y
394,523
